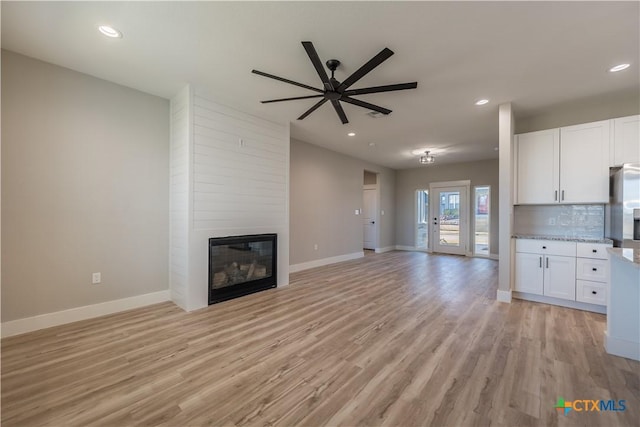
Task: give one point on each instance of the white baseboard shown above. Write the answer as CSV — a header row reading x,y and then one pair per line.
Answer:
x,y
386,249
405,248
504,296
621,347
29,324
602,309
324,261
494,256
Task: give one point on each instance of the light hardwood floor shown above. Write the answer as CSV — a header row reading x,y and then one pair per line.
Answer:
x,y
401,338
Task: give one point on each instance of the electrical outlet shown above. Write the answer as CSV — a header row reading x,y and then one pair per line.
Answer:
x,y
357,211
382,212
315,247
240,142
95,278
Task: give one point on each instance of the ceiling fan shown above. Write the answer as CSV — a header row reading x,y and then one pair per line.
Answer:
x,y
336,91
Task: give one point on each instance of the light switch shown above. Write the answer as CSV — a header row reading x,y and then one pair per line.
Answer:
x,y
382,212
357,212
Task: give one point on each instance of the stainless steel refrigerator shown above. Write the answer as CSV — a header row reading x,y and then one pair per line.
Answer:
x,y
625,206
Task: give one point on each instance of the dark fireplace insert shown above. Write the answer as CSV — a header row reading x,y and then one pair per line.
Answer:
x,y
241,265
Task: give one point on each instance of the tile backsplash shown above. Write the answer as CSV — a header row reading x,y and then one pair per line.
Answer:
x,y
585,221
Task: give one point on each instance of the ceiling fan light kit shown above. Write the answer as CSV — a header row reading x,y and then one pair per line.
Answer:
x,y
335,91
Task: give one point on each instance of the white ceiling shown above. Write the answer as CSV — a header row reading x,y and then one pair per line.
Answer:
x,y
533,54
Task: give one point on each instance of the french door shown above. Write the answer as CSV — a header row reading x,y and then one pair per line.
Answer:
x,y
449,218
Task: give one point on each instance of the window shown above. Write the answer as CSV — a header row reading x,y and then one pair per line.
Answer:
x,y
422,219
481,220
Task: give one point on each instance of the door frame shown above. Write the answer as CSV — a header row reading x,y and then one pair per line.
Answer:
x,y
376,228
435,186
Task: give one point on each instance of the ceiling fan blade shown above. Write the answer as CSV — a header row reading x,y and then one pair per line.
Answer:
x,y
365,105
312,109
377,89
271,76
317,64
340,111
370,65
291,99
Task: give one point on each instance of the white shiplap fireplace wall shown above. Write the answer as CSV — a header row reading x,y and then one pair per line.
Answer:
x,y
229,176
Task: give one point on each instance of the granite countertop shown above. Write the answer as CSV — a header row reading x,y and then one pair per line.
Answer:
x,y
629,255
563,239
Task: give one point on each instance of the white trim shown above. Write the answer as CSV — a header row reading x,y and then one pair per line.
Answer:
x,y
602,309
383,250
28,324
461,183
504,296
494,256
621,347
405,248
324,261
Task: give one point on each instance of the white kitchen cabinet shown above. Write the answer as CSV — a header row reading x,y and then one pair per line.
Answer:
x,y
560,277
529,273
584,165
625,140
538,166
592,273
566,165
546,268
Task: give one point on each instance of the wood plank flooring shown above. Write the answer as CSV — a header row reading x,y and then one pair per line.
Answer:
x,y
395,339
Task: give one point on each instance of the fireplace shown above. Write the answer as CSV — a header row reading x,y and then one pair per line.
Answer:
x,y
241,265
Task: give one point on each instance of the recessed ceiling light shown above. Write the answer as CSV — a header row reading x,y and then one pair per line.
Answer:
x,y
619,67
351,134
109,31
482,102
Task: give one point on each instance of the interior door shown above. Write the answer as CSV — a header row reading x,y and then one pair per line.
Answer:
x,y
449,215
369,218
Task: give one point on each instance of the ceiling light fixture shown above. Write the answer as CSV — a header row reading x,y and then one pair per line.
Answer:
x,y
482,102
619,67
110,31
427,158
351,134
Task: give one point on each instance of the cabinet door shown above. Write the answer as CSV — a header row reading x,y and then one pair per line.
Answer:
x,y
529,273
560,277
626,140
537,167
584,163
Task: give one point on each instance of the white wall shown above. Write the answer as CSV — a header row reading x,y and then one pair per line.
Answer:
x,y
326,189
85,178
236,170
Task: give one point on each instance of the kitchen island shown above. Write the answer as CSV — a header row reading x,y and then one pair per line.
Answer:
x,y
622,337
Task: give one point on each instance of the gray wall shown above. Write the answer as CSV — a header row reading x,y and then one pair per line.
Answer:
x,y
409,180
325,190
85,188
584,110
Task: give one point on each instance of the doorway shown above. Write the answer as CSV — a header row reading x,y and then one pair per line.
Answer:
x,y
449,214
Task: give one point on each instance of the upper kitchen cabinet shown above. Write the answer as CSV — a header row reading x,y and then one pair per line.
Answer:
x,y
538,166
625,140
566,165
584,163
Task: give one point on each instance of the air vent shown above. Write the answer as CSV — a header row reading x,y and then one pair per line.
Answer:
x,y
375,114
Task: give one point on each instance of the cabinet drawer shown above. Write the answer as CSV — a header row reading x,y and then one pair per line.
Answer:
x,y
592,269
591,292
592,250
546,247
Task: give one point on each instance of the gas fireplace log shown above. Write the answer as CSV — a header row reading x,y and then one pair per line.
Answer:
x,y
219,279
252,268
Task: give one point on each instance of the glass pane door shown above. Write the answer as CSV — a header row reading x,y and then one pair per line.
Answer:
x,y
449,219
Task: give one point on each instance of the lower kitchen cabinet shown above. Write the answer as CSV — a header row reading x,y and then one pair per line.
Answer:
x,y
560,277
549,275
562,270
